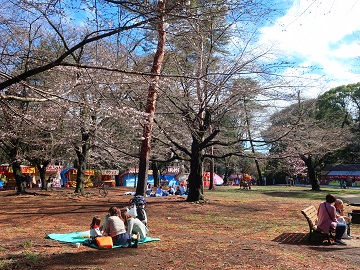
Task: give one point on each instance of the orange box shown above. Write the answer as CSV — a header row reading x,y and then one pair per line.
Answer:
x,y
104,242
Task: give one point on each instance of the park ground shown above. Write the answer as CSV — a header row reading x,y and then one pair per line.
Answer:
x,y
261,228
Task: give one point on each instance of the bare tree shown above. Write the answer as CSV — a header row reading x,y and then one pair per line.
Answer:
x,y
49,44
204,94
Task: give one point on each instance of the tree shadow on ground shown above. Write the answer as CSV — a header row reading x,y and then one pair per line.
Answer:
x,y
24,193
86,259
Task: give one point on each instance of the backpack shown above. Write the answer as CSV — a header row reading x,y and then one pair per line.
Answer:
x,y
139,202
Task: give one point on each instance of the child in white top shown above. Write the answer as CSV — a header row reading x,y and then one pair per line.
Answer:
x,y
95,227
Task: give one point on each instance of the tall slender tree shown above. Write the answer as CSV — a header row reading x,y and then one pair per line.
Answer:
x,y
151,100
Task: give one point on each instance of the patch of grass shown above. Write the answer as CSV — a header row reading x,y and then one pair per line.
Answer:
x,y
32,257
295,192
8,264
300,256
6,230
27,244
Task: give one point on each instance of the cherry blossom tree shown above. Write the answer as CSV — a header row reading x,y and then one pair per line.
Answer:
x,y
296,134
210,84
46,38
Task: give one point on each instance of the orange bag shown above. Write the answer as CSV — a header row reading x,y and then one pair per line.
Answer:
x,y
104,242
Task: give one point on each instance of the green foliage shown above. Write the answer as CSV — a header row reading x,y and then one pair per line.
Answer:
x,y
27,244
332,106
341,106
8,264
32,257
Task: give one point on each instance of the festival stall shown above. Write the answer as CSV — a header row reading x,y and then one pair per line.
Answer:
x,y
108,177
8,177
2,177
129,177
236,178
71,174
352,178
218,181
66,176
338,173
171,177
52,171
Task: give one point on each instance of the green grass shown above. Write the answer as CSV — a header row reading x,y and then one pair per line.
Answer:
x,y
32,257
27,244
8,264
303,192
233,203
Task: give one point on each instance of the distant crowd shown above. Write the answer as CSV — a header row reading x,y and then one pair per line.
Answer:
x,y
163,190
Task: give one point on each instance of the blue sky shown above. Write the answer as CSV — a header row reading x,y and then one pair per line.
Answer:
x,y
321,33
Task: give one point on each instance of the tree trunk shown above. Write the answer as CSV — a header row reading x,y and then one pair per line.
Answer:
x,y
260,178
82,155
315,185
18,176
155,170
42,177
80,177
42,170
211,186
151,103
196,187
226,177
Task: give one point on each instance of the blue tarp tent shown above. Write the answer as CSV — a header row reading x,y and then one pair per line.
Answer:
x,y
130,180
170,178
63,176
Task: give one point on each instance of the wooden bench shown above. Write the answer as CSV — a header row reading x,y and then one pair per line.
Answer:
x,y
310,214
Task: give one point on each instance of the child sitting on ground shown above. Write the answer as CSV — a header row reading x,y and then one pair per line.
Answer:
x,y
95,228
133,224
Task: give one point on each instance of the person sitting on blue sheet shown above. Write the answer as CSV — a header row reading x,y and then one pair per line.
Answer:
x,y
134,225
171,190
115,227
160,192
177,191
149,189
183,190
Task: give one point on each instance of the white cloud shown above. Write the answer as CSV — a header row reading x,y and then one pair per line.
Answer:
x,y
325,34
348,50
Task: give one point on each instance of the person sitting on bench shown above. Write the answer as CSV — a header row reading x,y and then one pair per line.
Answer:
x,y
341,218
327,219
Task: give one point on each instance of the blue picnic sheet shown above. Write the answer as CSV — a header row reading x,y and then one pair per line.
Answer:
x,y
83,238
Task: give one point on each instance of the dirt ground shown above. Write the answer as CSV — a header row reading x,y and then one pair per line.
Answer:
x,y
231,233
